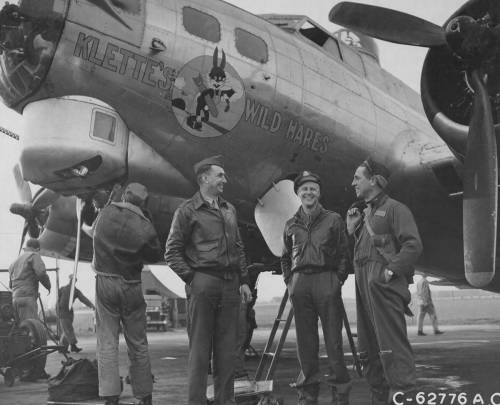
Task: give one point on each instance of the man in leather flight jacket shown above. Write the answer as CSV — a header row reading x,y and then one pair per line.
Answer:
x,y
204,248
315,265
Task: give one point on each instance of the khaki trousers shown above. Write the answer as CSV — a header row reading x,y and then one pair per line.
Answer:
x,y
120,301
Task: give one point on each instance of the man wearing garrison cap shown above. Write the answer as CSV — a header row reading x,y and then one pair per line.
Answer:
x,y
124,239
387,246
204,248
315,265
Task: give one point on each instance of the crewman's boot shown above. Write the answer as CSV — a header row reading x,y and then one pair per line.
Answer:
x,y
340,393
147,400
114,400
421,333
379,396
75,348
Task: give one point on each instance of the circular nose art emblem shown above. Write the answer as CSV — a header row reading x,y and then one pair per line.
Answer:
x,y
208,96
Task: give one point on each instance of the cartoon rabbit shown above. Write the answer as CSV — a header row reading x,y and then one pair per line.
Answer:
x,y
220,90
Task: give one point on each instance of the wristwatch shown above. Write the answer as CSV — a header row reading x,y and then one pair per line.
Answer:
x,y
390,272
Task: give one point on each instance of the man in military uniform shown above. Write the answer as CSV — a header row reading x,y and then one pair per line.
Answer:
x,y
204,248
66,315
387,246
124,239
315,265
25,273
426,306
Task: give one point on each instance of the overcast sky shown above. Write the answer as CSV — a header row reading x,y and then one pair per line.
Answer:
x,y
403,61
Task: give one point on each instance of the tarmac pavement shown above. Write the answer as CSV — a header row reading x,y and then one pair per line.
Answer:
x,y
460,367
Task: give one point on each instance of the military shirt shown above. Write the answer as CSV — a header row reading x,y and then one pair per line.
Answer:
x,y
124,239
25,274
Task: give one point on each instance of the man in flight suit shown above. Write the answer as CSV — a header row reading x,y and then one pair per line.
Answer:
x,y
315,265
25,273
387,246
124,238
204,248
66,315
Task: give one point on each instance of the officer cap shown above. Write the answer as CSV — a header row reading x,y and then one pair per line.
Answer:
x,y
135,193
209,161
304,177
33,244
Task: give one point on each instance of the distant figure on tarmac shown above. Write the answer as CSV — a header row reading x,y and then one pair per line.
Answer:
x,y
66,315
426,306
124,239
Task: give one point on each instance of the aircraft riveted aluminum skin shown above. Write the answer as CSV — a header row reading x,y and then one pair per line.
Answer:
x,y
381,304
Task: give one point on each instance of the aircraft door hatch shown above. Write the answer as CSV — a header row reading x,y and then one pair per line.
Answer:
x,y
274,208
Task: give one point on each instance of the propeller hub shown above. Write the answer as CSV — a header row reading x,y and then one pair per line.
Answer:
x,y
469,38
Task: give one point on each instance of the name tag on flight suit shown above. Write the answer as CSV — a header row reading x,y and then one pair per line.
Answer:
x,y
380,213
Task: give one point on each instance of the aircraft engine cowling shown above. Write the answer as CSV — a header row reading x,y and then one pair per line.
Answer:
x,y
446,82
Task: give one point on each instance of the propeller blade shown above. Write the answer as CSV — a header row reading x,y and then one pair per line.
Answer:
x,y
480,190
22,185
23,236
388,25
44,198
79,207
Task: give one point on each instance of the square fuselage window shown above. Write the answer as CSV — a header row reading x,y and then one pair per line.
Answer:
x,y
104,126
251,46
201,24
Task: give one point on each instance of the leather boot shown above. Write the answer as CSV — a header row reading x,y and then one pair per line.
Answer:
x,y
340,393
147,400
114,400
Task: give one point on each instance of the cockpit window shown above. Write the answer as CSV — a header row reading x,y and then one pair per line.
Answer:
x,y
201,24
104,126
251,46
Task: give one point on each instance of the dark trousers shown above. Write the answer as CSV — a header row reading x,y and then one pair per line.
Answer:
x,y
427,309
68,333
120,301
382,337
318,295
213,306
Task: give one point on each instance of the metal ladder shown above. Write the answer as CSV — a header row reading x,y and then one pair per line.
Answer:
x,y
269,358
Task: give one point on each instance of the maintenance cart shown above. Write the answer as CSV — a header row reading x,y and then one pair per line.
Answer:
x,y
23,345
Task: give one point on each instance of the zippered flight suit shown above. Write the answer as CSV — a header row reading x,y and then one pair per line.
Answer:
x,y
381,305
